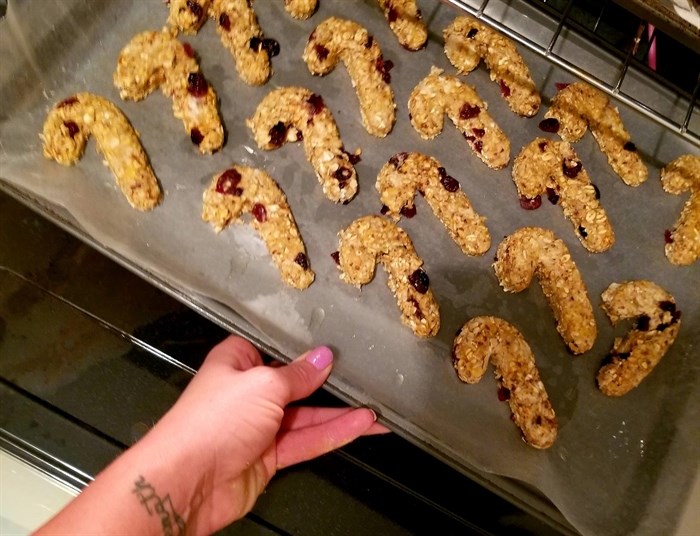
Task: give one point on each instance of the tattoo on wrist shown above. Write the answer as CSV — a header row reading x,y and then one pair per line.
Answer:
x,y
171,522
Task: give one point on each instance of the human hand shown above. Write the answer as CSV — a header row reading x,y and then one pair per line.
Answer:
x,y
234,430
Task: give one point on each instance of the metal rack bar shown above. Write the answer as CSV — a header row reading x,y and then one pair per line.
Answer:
x,y
560,61
630,55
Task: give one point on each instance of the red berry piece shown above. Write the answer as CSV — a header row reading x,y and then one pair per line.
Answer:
x,y
228,181
542,145
479,132
384,66
255,43
629,146
392,15
196,136
195,8
530,203
384,210
225,22
582,231
259,212
667,306
188,50
353,158
197,85
505,90
668,239
316,103
468,111
643,323
561,85
571,168
302,260
503,394
408,212
72,127
478,146
472,33
336,257
416,306
67,102
278,134
549,125
449,183
271,46
420,281
398,159
321,51
369,42
552,196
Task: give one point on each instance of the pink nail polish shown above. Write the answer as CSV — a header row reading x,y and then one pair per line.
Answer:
x,y
320,357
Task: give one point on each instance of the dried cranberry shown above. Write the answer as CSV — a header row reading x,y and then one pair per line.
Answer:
x,y
228,182
392,15
188,50
67,102
278,134
196,136
384,66
561,85
530,203
553,196
468,111
643,323
321,51
622,355
300,135
503,394
582,231
225,22
420,281
571,168
316,103
505,90
255,43
195,8
384,210
336,256
408,212
472,33
596,190
663,326
629,146
449,183
542,145
342,174
416,306
271,46
549,125
259,213
302,260
478,146
72,127
676,316
398,159
667,306
353,158
369,42
479,132
668,238
197,85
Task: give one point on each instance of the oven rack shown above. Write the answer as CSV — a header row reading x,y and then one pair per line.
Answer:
x,y
562,20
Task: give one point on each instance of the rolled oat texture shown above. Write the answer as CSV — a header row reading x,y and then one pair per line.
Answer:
x,y
488,338
680,176
72,121
188,15
301,9
406,21
371,240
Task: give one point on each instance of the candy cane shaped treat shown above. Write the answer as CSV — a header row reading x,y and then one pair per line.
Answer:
x,y
634,356
238,28
338,39
296,114
241,189
683,243
188,15
467,42
406,21
406,173
487,338
301,9
437,95
158,59
535,251
578,106
553,168
372,239
68,127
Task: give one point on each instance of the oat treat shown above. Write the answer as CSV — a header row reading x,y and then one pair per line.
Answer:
x,y
578,106
408,173
241,189
535,251
188,15
680,176
437,95
406,21
373,239
636,354
343,40
158,59
487,338
68,127
290,114
468,41
553,168
301,9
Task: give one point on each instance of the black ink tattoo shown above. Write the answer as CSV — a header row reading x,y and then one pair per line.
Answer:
x,y
172,523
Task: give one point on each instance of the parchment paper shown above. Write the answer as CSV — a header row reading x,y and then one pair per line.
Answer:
x,y
619,466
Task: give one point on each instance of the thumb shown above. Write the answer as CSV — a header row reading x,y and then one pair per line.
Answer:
x,y
305,374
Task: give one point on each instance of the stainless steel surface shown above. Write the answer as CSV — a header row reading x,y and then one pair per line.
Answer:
x,y
620,446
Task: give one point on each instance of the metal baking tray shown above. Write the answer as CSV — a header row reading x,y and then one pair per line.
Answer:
x,y
619,466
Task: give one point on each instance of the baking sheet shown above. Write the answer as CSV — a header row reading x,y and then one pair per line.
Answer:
x,y
619,466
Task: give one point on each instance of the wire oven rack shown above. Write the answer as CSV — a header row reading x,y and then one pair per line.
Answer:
x,y
636,53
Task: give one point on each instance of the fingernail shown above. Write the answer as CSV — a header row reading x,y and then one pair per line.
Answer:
x,y
320,357
374,414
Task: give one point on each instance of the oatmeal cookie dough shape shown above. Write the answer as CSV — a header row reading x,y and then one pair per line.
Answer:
x,y
553,168
370,240
188,15
242,189
680,176
291,114
343,40
533,251
437,95
406,22
301,9
70,123
635,355
488,338
157,59
468,41
407,173
579,106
